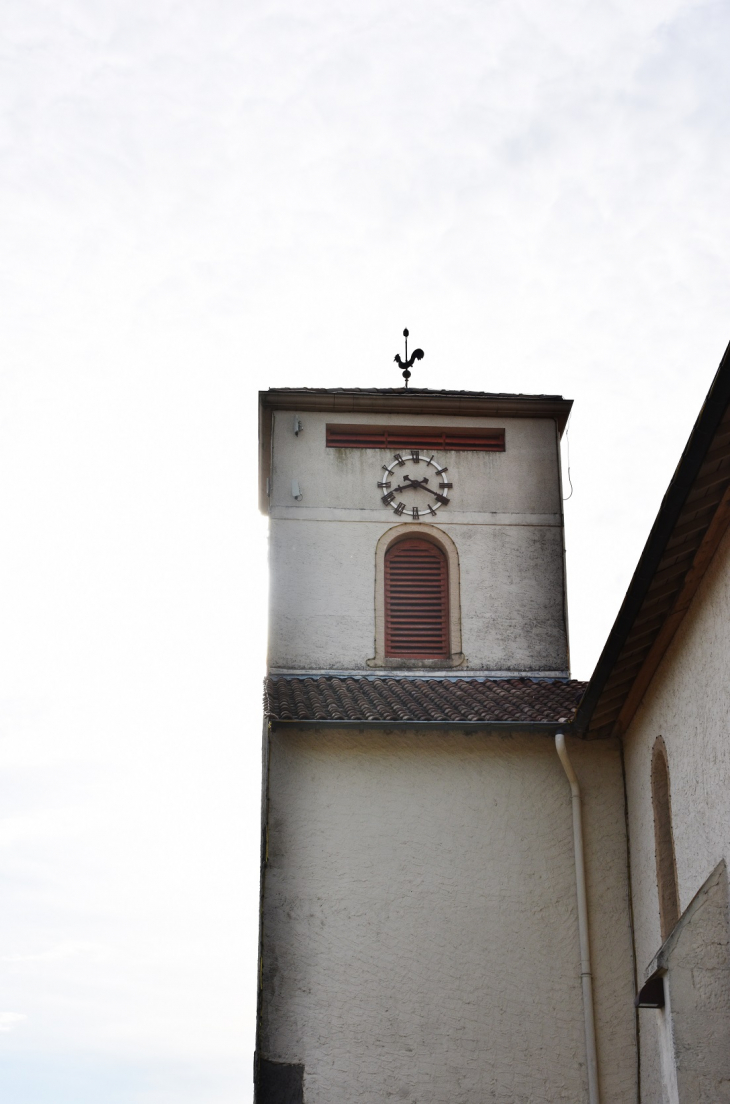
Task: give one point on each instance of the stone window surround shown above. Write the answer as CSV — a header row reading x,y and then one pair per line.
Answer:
x,y
666,863
447,546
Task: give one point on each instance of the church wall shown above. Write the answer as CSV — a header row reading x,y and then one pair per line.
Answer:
x,y
504,517
419,928
688,704
520,480
323,595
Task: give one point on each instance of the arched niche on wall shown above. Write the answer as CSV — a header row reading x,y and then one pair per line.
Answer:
x,y
666,866
445,545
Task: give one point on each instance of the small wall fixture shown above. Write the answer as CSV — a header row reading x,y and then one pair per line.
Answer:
x,y
295,490
297,425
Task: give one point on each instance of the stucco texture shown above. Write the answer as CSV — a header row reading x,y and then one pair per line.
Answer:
x,y
322,613
688,703
504,518
419,920
520,480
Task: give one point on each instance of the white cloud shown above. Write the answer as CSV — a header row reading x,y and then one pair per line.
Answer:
x,y
10,1020
202,199
60,952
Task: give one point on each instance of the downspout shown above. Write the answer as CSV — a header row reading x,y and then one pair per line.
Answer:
x,y
585,949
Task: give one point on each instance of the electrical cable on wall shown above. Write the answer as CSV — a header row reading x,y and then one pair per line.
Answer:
x,y
567,443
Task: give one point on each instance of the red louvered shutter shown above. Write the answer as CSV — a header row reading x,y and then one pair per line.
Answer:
x,y
416,600
463,439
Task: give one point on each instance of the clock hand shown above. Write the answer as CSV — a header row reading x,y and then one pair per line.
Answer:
x,y
411,485
437,494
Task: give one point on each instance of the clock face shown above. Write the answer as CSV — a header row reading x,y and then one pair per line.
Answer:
x,y
414,486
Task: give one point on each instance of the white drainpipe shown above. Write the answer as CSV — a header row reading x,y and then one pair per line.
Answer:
x,y
585,949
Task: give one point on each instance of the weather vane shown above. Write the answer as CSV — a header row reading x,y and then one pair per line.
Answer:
x,y
407,364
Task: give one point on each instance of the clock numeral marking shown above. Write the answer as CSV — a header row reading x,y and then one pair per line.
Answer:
x,y
414,456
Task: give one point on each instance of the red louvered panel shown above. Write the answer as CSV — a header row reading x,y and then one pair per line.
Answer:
x,y
345,436
416,600
475,440
465,439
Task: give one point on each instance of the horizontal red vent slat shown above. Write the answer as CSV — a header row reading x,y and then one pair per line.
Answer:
x,y
416,600
464,438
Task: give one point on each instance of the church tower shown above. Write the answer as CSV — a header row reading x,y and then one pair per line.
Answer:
x,y
418,928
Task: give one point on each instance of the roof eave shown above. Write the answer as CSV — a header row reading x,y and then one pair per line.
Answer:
x,y
465,404
680,486
545,728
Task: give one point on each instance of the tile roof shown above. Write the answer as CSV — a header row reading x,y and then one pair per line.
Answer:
x,y
693,517
393,698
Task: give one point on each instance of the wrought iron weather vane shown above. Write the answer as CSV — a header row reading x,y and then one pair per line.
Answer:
x,y
407,364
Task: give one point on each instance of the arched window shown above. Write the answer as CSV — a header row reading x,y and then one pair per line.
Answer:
x,y
416,600
666,869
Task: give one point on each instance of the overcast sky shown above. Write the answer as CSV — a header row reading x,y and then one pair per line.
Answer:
x,y
203,199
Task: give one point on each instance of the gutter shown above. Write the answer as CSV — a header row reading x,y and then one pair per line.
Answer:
x,y
546,728
586,977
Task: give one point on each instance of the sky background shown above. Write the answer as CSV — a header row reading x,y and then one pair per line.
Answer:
x,y
199,200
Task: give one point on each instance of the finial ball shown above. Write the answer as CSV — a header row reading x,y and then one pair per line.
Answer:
x,y
405,333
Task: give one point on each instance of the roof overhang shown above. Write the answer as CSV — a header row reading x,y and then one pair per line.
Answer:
x,y
691,522
414,400
541,728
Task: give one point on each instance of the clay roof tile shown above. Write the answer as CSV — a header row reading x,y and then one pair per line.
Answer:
x,y
448,699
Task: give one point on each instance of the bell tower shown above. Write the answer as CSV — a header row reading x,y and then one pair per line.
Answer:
x,y
411,944
347,475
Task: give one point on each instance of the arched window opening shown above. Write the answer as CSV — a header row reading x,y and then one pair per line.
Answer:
x,y
666,868
416,600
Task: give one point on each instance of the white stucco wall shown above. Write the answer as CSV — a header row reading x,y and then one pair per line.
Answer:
x,y
504,517
688,703
520,480
420,934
